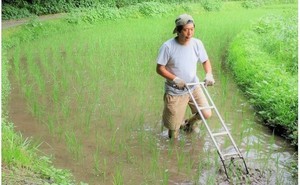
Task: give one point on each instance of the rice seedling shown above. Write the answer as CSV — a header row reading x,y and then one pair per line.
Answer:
x,y
118,177
113,140
130,158
51,124
74,146
180,155
165,179
105,169
96,156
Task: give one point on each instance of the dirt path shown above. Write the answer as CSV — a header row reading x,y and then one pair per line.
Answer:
x,y
5,24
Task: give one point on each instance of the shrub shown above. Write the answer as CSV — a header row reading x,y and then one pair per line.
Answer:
x,y
92,15
153,8
12,12
253,3
211,5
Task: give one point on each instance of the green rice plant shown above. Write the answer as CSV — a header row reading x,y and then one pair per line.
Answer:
x,y
189,165
130,158
113,140
16,63
118,177
111,122
55,91
74,146
51,124
96,165
180,155
28,91
104,169
165,177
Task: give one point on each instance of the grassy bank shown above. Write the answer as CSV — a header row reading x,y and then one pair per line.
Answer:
x,y
264,61
93,85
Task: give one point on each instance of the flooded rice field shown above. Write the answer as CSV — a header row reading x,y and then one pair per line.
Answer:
x,y
141,153
95,106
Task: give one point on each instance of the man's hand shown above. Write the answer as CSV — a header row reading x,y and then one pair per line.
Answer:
x,y
179,83
209,80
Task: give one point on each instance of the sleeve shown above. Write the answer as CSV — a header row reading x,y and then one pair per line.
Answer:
x,y
202,55
163,55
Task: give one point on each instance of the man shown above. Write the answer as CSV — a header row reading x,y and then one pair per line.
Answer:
x,y
177,63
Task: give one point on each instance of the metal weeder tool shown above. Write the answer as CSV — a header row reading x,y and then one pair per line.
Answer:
x,y
226,156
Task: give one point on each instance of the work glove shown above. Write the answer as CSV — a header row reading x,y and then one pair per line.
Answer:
x,y
209,80
179,82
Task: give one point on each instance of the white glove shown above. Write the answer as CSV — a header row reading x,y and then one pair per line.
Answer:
x,y
209,79
179,82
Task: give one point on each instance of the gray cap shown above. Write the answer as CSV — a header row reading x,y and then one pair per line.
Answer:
x,y
182,20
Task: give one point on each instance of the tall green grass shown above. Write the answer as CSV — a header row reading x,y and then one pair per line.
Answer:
x,y
265,64
21,162
97,90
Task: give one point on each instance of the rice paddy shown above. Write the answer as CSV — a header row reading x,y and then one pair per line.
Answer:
x,y
97,97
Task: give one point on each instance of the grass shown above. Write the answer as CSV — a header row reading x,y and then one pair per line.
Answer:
x,y
273,93
96,88
21,159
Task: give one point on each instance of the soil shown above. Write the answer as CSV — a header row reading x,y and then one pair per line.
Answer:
x,y
5,24
22,176
255,176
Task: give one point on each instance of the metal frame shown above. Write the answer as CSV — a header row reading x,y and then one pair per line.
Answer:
x,y
222,156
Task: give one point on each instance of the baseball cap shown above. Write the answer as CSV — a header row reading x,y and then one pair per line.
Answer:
x,y
182,20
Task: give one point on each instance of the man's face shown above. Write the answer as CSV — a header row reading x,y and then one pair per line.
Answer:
x,y
187,32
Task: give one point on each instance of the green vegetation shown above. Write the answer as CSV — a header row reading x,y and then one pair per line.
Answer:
x,y
260,3
265,64
15,9
22,164
25,8
90,78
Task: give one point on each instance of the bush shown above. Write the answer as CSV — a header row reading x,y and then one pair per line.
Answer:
x,y
11,12
253,3
153,8
101,13
211,5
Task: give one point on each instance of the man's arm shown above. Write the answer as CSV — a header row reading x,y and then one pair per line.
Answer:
x,y
209,79
161,70
207,67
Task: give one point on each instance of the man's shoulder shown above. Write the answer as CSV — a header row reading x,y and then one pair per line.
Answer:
x,y
170,41
196,40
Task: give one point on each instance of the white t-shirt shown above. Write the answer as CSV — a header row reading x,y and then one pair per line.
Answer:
x,y
181,60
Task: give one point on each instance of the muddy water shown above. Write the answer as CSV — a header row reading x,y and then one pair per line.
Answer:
x,y
190,160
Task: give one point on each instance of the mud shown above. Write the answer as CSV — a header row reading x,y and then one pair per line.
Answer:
x,y
5,24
